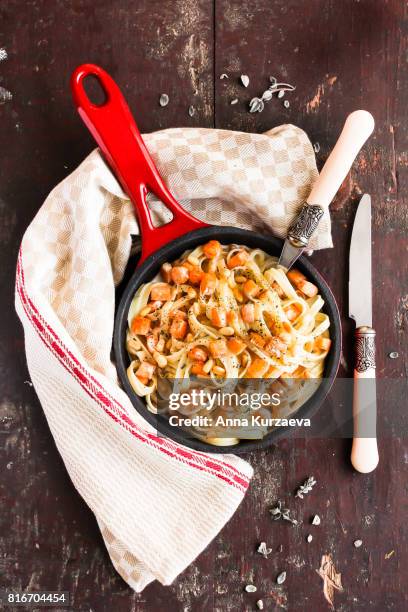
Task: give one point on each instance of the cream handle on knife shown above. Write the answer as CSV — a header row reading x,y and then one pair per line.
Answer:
x,y
364,452
357,128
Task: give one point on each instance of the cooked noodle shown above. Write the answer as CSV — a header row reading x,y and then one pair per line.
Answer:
x,y
225,312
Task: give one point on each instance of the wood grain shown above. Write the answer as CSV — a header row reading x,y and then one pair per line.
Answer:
x,y
340,56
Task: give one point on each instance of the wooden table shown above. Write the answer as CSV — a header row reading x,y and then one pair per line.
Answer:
x,y
341,56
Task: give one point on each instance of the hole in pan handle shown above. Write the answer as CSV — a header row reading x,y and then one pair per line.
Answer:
x,y
114,129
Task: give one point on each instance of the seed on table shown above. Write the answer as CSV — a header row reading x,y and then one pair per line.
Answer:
x,y
393,355
316,520
164,100
250,588
260,604
358,543
234,101
309,538
286,104
191,110
245,80
281,578
281,93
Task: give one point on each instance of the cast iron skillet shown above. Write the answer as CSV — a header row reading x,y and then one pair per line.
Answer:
x,y
115,131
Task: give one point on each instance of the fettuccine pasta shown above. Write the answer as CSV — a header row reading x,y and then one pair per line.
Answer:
x,y
225,312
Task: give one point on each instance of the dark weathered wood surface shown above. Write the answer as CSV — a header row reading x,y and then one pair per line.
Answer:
x,y
341,56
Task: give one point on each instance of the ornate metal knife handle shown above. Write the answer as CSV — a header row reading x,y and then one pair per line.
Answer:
x,y
305,224
365,348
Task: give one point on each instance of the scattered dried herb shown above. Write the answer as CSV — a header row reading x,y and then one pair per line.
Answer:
x,y
273,80
263,550
309,538
316,147
316,520
331,579
245,80
164,100
393,355
280,512
358,543
306,487
234,101
224,76
5,95
260,604
389,555
250,588
281,578
257,104
191,110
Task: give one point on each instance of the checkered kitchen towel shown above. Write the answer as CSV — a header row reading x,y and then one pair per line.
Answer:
x,y
157,503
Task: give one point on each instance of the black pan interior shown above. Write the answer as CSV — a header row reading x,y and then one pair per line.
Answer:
x,y
170,252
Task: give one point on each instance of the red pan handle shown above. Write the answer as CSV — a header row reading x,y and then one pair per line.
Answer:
x,y
115,131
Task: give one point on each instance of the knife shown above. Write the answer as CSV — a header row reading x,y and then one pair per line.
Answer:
x,y
364,452
357,128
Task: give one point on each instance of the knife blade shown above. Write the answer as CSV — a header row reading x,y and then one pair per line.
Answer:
x,y
360,292
364,451
357,128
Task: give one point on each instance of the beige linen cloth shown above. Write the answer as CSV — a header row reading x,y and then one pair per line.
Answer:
x,y
158,504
